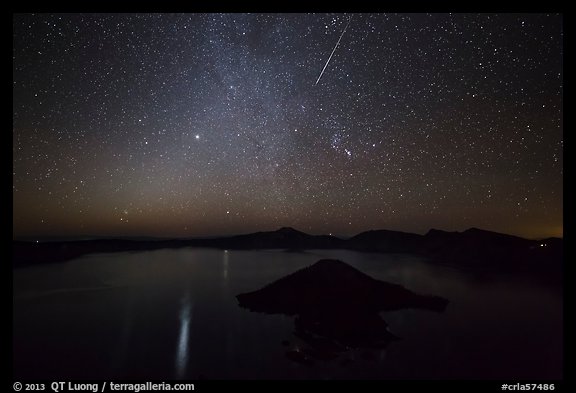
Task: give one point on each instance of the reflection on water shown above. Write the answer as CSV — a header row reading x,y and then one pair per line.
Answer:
x,y
173,314
127,327
225,267
186,314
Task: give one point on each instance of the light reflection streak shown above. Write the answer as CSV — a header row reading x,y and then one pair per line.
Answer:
x,y
186,314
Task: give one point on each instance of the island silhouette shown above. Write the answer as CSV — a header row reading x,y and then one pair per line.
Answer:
x,y
337,309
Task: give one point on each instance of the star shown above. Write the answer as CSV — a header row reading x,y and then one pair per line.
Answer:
x,y
115,110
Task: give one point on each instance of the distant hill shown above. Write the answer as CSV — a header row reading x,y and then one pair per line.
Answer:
x,y
473,247
282,238
479,247
385,241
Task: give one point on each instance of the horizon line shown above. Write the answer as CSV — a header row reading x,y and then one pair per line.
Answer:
x,y
65,237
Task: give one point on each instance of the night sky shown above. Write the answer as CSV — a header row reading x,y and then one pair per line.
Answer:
x,y
213,124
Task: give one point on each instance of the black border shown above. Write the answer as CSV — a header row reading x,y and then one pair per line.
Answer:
x,y
364,385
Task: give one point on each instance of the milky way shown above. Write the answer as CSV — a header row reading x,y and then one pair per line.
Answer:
x,y
210,124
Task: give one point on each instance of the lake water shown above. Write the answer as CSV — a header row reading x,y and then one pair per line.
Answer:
x,y
170,314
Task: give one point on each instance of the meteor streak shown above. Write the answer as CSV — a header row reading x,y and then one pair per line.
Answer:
x,y
333,50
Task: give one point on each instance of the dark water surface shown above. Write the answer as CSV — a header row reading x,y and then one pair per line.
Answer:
x,y
171,314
